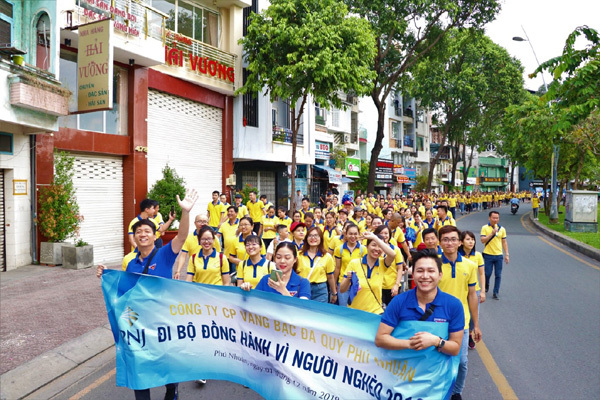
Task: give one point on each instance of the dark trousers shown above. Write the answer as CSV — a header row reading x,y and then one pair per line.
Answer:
x,y
171,393
256,228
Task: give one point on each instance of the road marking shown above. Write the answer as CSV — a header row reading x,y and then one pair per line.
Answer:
x,y
94,385
499,379
543,239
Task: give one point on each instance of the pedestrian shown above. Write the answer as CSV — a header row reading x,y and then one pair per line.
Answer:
x,y
150,260
316,265
238,253
216,212
459,279
255,266
347,250
282,236
207,265
146,212
229,230
493,237
268,228
296,217
535,204
369,271
192,244
256,210
242,209
331,232
467,250
305,207
424,303
297,201
283,217
287,282
298,231
392,278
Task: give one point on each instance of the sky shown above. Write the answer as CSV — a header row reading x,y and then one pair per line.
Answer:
x,y
548,23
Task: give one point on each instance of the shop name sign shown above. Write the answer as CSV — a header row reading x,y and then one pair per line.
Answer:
x,y
384,171
352,166
484,179
199,65
322,150
107,11
95,66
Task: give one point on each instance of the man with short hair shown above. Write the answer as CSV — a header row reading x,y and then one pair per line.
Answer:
x,y
398,235
228,230
216,212
267,203
443,218
283,235
305,207
242,209
147,211
424,303
256,209
493,237
297,200
459,279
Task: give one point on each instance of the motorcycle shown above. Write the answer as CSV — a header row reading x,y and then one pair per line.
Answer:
x,y
514,208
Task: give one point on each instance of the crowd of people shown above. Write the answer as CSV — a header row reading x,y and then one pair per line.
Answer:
x,y
366,253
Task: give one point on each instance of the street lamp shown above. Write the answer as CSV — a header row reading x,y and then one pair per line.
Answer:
x,y
555,147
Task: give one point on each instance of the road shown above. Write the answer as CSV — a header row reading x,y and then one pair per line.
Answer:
x,y
540,340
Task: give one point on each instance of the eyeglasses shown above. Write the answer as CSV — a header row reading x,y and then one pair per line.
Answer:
x,y
204,240
450,240
313,236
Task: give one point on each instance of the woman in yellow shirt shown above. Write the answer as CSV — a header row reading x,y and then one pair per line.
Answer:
x,y
316,265
348,249
392,278
369,271
255,266
207,265
238,254
467,250
268,228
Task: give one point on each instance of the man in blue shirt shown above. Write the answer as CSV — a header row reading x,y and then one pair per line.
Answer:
x,y
424,303
157,262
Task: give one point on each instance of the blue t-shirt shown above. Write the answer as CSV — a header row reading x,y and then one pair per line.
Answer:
x,y
405,307
161,265
297,286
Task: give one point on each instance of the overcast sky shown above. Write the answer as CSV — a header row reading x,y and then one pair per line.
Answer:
x,y
547,23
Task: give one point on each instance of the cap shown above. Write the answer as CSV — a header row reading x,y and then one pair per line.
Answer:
x,y
297,225
239,196
347,203
357,209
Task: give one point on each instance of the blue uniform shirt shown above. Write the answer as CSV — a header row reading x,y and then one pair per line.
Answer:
x,y
405,307
297,286
161,265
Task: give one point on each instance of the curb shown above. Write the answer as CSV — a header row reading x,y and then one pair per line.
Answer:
x,y
580,247
33,375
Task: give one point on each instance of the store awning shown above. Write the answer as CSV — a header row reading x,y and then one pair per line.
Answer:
x,y
347,180
335,177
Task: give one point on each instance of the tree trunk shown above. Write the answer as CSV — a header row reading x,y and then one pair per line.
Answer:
x,y
467,168
436,159
455,157
578,171
295,127
380,105
512,175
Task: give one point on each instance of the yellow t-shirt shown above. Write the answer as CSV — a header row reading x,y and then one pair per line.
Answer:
x,y
270,222
256,210
209,269
192,244
494,246
285,221
477,258
456,280
321,266
398,236
227,230
215,213
252,273
239,250
330,239
391,273
343,253
535,202
139,218
370,281
242,211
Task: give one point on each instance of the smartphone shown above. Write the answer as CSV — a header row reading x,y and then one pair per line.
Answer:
x,y
276,275
172,210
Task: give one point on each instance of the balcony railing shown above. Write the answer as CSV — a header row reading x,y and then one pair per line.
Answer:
x,y
284,135
319,119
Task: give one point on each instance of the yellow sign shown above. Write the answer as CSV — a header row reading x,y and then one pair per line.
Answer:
x,y
95,66
20,187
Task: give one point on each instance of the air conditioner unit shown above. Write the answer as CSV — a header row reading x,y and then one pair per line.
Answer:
x,y
346,138
230,181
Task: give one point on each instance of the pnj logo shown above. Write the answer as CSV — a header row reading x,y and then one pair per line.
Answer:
x,y
132,335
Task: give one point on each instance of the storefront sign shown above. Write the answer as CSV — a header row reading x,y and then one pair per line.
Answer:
x,y
401,178
20,187
352,167
124,20
384,171
411,173
398,169
486,179
200,65
322,150
95,66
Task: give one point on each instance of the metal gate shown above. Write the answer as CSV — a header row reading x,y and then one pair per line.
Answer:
x,y
2,230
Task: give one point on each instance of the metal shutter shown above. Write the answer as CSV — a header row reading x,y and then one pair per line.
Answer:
x,y
264,181
2,230
188,136
99,184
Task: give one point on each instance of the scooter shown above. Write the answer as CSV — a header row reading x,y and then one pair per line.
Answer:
x,y
514,208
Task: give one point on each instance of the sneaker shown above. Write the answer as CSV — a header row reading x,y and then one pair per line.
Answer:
x,y
456,396
471,342
200,381
495,296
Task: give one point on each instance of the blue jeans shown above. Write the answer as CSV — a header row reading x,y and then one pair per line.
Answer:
x,y
493,264
343,297
318,292
463,367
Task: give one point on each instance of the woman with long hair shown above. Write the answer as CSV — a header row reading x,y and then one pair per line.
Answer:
x,y
392,278
316,265
287,282
467,250
348,249
238,254
207,265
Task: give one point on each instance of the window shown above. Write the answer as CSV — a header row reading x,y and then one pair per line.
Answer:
x,y
395,130
250,105
42,55
6,143
6,21
335,118
420,143
247,12
190,19
320,115
274,114
109,121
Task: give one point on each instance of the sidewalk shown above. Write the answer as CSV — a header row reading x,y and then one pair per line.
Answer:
x,y
51,320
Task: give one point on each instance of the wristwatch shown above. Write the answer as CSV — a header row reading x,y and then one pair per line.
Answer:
x,y
441,344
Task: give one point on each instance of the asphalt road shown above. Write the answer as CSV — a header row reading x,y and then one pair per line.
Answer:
x,y
540,340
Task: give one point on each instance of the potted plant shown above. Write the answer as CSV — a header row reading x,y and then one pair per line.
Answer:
x,y
78,256
58,213
164,191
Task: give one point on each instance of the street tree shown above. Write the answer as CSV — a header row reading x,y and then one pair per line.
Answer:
x,y
301,48
469,80
406,30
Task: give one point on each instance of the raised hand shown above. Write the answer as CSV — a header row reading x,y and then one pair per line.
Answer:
x,y
189,200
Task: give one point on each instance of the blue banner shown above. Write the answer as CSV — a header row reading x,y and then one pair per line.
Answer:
x,y
170,331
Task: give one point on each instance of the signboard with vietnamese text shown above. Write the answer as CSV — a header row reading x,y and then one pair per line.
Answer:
x,y
322,150
384,171
95,66
352,167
